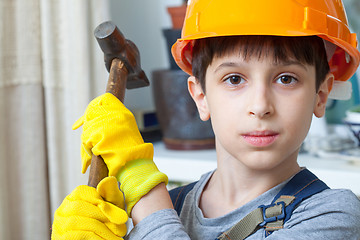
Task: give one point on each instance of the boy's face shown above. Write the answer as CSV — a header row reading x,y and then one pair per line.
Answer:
x,y
260,110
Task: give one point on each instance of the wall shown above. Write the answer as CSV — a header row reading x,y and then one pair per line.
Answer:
x,y
142,22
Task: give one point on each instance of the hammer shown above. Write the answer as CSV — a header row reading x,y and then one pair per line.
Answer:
x,y
122,60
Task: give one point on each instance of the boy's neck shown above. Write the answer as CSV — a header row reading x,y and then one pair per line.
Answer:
x,y
231,188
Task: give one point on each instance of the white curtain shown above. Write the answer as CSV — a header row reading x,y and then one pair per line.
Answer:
x,y
50,68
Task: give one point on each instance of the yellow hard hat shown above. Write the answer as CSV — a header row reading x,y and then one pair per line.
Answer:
x,y
323,18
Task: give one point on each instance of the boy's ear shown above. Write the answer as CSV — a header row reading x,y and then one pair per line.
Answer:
x,y
322,95
199,98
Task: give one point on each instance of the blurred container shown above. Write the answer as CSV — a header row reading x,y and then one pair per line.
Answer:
x,y
177,15
177,113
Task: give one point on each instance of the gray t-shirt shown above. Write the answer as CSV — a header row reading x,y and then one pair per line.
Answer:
x,y
330,214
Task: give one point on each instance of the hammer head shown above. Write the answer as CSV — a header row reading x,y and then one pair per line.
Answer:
x,y
114,45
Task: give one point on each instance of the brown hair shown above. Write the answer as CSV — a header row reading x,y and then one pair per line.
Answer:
x,y
307,50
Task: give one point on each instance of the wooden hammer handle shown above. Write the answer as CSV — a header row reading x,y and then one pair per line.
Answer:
x,y
116,85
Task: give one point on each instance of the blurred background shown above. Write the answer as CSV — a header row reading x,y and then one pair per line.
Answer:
x,y
51,67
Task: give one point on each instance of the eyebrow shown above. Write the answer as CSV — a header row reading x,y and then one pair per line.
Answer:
x,y
227,64
278,63
290,62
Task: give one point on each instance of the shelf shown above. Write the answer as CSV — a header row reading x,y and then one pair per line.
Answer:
x,y
188,166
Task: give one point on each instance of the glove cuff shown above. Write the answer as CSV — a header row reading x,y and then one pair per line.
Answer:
x,y
137,178
128,154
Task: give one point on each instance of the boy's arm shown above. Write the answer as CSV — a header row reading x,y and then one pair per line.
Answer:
x,y
161,225
154,217
157,199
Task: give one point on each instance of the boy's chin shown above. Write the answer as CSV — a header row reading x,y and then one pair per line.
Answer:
x,y
268,161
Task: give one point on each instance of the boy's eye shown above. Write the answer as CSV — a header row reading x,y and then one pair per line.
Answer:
x,y
286,79
234,80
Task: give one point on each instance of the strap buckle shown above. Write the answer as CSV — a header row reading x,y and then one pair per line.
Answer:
x,y
280,216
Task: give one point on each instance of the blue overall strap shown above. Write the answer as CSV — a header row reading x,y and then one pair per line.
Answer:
x,y
303,185
178,195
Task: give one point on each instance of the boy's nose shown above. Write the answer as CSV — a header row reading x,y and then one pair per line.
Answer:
x,y
260,103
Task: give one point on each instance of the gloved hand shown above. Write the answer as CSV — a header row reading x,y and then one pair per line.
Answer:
x,y
110,130
89,213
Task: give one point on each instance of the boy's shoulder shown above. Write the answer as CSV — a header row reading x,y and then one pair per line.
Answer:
x,y
342,200
339,208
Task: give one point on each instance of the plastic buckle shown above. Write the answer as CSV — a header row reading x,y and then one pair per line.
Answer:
x,y
274,218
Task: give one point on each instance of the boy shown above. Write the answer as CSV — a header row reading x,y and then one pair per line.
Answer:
x,y
259,70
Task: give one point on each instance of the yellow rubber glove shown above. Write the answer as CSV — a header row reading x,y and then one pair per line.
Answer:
x,y
89,213
110,130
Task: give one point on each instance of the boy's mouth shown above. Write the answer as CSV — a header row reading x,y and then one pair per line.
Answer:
x,y
260,138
